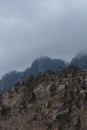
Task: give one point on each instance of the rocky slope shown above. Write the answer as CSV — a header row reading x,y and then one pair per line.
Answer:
x,y
52,101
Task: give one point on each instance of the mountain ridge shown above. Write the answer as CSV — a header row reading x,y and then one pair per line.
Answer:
x,y
50,101
39,65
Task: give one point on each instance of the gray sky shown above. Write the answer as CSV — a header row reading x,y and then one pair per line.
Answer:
x,y
32,28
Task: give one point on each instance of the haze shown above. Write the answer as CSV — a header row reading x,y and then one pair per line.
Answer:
x,y
33,28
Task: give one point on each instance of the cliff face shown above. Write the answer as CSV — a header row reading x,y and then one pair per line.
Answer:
x,y
52,101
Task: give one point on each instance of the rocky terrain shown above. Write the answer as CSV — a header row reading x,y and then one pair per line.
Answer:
x,y
50,101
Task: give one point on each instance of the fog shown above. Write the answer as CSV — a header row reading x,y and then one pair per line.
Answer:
x,y
34,28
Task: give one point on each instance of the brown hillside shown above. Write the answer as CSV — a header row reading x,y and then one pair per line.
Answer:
x,y
52,101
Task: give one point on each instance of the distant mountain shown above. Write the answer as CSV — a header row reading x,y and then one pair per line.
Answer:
x,y
10,79
80,61
39,65
44,63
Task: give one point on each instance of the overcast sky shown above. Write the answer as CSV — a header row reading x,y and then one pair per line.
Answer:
x,y
34,28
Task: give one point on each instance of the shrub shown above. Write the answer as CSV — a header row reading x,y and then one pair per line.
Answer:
x,y
5,112
78,124
53,90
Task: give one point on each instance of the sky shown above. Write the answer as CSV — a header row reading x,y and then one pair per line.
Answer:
x,y
33,28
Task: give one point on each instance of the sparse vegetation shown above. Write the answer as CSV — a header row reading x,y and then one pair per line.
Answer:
x,y
38,103
53,90
5,112
78,124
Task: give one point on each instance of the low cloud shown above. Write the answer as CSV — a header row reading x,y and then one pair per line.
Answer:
x,y
29,29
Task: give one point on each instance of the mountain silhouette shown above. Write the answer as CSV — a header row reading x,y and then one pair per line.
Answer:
x,y
41,64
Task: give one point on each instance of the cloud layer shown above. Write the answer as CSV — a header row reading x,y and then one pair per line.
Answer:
x,y
32,28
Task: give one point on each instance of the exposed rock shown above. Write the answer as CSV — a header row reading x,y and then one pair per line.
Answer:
x,y
52,101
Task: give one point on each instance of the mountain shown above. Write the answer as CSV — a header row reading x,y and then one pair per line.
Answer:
x,y
39,65
10,79
80,60
50,101
45,63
